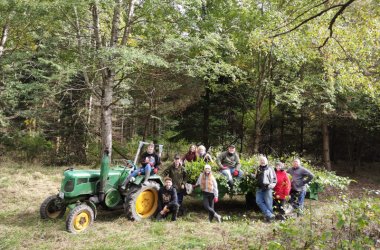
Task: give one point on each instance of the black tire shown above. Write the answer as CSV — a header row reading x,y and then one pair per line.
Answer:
x,y
79,219
141,202
52,207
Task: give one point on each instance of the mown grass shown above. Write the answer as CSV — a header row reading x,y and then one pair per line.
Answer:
x,y
23,187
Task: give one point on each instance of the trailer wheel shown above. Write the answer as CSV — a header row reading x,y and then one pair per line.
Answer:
x,y
52,207
141,202
79,219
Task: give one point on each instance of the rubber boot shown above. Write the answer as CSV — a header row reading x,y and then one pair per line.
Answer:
x,y
147,175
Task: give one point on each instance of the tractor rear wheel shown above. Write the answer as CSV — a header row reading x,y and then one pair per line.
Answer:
x,y
52,207
141,202
79,219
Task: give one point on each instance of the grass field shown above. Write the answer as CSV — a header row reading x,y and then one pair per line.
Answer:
x,y
23,187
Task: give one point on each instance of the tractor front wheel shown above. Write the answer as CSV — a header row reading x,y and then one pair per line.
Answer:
x,y
79,219
141,202
52,207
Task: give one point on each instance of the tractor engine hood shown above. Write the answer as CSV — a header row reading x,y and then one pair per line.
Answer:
x,y
86,182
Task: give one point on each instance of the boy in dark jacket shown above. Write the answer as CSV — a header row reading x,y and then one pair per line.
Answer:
x,y
167,200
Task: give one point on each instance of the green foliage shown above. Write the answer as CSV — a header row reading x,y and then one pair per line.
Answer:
x,y
34,146
247,183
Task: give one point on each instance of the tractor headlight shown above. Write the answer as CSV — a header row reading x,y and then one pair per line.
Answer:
x,y
61,195
69,186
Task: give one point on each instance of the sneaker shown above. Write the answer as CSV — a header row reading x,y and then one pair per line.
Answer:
x,y
269,218
218,218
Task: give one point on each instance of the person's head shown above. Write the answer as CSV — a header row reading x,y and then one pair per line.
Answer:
x,y
201,149
207,169
296,163
168,182
263,161
177,160
231,149
193,148
150,148
279,166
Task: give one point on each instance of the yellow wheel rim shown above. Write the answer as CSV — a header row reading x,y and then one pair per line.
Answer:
x,y
81,221
146,203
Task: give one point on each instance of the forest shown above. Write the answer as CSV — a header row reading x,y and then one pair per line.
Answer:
x,y
281,78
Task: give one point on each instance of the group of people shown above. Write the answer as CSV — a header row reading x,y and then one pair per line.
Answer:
x,y
275,185
272,190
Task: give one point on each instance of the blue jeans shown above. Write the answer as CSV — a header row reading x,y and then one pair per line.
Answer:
x,y
141,170
264,199
297,198
229,173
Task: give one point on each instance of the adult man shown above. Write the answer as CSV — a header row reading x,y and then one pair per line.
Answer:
x,y
167,200
300,177
266,181
178,174
229,164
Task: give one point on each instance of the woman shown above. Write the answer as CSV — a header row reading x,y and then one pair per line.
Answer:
x,y
281,190
191,155
209,189
202,155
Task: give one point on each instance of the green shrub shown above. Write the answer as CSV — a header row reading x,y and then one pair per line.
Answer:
x,y
34,146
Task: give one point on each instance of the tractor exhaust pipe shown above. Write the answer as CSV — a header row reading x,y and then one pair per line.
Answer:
x,y
104,170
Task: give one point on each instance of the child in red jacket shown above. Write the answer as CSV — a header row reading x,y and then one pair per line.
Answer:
x,y
281,190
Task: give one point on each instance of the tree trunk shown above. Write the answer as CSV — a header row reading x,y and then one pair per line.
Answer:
x,y
270,99
206,118
128,26
242,129
4,37
302,125
282,130
106,123
257,138
326,145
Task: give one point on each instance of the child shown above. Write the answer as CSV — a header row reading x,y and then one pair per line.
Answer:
x,y
209,189
281,190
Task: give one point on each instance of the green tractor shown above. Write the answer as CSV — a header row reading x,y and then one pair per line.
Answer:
x,y
83,191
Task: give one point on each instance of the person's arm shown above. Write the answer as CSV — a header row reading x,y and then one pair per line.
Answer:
x,y
287,185
198,181
142,158
215,187
219,160
308,175
157,163
166,171
238,165
273,178
184,176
